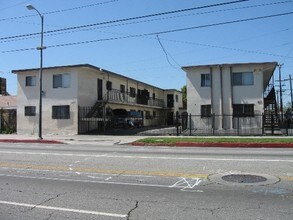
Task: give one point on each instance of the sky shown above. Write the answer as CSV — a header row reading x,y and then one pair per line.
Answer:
x,y
151,49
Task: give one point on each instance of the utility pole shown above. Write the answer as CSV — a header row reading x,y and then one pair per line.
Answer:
x,y
290,81
281,94
41,48
291,92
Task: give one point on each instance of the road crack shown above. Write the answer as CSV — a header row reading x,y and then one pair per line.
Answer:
x,y
131,210
41,203
212,210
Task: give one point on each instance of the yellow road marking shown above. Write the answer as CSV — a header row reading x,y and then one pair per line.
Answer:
x,y
124,172
288,178
100,171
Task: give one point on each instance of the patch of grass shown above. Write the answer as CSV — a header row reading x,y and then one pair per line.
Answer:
x,y
170,140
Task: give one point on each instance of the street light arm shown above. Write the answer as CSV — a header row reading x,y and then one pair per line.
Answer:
x,y
31,7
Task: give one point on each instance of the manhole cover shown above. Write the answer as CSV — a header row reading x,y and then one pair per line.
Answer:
x,y
246,178
243,179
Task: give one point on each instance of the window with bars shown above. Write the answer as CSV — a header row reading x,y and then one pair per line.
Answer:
x,y
243,110
205,80
243,79
30,111
61,80
61,112
30,81
205,111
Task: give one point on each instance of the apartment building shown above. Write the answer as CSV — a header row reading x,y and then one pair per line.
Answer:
x,y
69,91
229,92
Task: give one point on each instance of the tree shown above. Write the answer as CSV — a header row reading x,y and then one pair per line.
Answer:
x,y
184,96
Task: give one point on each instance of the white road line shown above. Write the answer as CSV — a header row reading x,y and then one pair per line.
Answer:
x,y
86,181
72,172
63,209
148,157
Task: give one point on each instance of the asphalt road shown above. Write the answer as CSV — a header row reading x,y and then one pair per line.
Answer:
x,y
108,181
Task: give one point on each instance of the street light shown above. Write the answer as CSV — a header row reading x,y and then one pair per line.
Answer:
x,y
41,48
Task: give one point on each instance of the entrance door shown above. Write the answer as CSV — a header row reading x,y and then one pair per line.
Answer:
x,y
170,100
100,89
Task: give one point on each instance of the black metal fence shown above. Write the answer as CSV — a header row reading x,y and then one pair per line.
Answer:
x,y
186,125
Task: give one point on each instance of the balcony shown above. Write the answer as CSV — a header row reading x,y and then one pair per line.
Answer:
x,y
116,96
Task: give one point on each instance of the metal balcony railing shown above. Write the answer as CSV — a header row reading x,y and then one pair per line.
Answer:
x,y
116,96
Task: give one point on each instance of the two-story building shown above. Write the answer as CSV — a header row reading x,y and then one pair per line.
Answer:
x,y
221,95
80,98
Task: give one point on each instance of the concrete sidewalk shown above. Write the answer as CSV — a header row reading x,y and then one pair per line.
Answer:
x,y
69,139
132,140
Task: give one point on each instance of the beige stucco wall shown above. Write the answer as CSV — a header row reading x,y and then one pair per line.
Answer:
x,y
29,96
221,96
83,91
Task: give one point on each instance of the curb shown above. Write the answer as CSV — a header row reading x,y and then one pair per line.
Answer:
x,y
216,144
30,141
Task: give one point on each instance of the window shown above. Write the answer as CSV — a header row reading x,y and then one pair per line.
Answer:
x,y
109,85
154,114
61,112
243,79
30,81
132,92
122,88
176,98
205,111
61,80
243,110
205,80
154,96
29,110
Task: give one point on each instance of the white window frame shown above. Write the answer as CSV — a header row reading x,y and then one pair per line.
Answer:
x,y
205,80
61,80
30,81
245,79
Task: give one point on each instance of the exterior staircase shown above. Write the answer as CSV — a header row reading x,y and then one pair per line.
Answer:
x,y
271,120
97,109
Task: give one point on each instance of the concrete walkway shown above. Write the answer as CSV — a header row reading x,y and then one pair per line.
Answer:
x,y
131,140
69,139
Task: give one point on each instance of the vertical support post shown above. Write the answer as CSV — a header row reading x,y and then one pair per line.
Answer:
x,y
213,124
189,124
238,126
272,123
177,125
263,124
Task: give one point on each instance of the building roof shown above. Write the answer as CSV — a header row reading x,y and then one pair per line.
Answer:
x,y
8,102
85,66
231,64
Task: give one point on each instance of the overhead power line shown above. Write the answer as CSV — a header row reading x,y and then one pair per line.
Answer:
x,y
125,19
168,55
172,31
223,23
149,20
61,10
